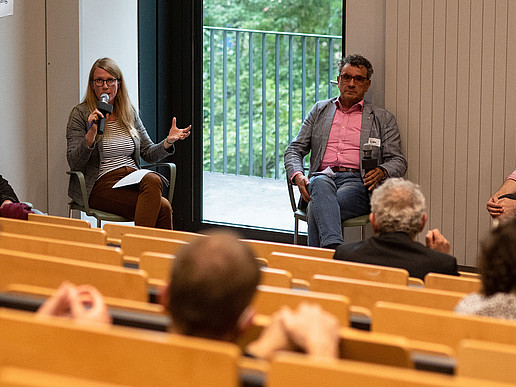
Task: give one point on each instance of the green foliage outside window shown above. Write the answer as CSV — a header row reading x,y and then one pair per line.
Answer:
x,y
322,17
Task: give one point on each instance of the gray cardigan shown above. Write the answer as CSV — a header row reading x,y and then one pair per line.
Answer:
x,y
314,134
87,160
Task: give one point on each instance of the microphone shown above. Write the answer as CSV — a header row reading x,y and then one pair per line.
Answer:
x,y
368,163
105,108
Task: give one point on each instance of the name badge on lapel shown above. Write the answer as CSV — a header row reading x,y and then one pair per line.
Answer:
x,y
374,141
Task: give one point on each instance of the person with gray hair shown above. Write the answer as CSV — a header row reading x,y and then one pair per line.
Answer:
x,y
397,217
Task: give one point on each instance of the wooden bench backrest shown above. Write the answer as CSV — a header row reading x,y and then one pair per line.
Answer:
x,y
264,249
157,265
354,344
116,230
118,303
452,283
21,376
467,274
439,326
291,369
269,299
304,267
485,360
74,234
367,293
116,355
59,220
41,270
64,249
275,277
135,245
375,348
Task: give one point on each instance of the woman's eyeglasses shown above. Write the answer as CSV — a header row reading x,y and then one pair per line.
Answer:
x,y
100,82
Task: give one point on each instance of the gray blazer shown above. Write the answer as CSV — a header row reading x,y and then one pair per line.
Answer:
x,y
377,123
87,160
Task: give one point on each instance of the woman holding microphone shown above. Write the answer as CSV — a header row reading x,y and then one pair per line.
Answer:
x,y
106,158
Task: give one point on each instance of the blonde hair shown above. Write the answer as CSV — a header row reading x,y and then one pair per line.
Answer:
x,y
122,106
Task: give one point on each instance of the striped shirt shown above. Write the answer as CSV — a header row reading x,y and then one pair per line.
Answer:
x,y
118,149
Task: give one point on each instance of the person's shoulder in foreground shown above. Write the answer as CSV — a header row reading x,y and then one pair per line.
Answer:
x,y
499,305
497,268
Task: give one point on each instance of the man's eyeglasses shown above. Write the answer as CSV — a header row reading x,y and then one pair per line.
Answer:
x,y
359,79
110,82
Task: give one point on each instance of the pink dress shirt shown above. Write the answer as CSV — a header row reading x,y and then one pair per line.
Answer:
x,y
343,148
512,176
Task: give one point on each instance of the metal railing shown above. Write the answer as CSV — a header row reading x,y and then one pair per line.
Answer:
x,y
243,91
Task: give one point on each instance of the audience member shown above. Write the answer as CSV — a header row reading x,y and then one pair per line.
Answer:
x,y
10,207
497,269
502,205
397,217
7,194
336,132
83,303
212,284
106,158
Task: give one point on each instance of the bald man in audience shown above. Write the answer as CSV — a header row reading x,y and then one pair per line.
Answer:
x,y
212,284
397,217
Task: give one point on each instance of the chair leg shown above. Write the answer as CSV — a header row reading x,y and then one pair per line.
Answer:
x,y
69,210
99,223
296,230
362,228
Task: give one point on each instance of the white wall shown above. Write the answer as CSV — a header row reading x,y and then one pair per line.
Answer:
x,y
110,28
47,48
365,35
23,119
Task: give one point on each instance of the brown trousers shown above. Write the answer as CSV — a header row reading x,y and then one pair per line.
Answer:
x,y
142,202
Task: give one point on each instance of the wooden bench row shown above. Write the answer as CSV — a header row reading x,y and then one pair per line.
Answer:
x,y
59,350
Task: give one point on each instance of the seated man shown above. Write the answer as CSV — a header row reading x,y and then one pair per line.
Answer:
x,y
212,284
10,207
397,216
337,132
502,205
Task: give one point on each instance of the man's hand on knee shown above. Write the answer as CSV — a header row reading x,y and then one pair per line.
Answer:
x,y
302,182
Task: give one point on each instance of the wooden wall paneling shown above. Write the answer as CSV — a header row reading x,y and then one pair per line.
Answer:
x,y
499,96
414,92
427,75
450,120
391,44
475,76
437,145
449,82
402,70
461,130
510,102
486,115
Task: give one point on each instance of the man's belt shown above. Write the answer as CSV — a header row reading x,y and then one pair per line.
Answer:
x,y
344,169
